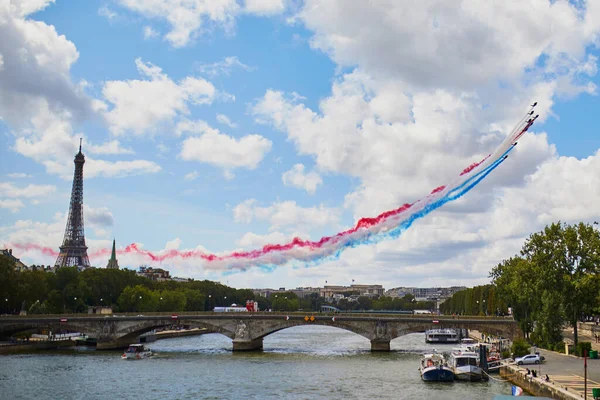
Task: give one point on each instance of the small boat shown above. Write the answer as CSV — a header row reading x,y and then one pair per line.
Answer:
x,y
465,366
136,352
85,340
441,336
435,369
494,366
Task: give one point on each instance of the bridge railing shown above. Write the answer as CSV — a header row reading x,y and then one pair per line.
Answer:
x,y
274,313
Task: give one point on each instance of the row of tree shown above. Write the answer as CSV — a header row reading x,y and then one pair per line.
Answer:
x,y
289,301
69,290
479,300
553,282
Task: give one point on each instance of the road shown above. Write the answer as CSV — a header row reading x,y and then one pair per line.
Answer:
x,y
568,371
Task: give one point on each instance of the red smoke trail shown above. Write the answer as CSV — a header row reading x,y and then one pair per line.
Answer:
x,y
363,223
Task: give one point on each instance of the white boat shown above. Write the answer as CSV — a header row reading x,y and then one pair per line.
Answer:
x,y
441,336
434,368
136,352
465,366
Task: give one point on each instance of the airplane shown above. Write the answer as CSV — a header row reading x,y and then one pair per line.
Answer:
x,y
534,104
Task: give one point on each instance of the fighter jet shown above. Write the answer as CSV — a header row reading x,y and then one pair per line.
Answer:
x,y
534,104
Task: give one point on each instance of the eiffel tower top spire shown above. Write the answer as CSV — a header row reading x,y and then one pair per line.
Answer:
x,y
73,251
113,263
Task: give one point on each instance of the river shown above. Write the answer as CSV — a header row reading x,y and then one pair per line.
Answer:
x,y
297,363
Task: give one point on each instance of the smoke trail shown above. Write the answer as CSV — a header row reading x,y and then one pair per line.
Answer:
x,y
387,225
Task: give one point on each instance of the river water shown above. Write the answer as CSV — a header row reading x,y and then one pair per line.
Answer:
x,y
297,363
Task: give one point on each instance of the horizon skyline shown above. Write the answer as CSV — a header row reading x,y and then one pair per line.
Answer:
x,y
211,131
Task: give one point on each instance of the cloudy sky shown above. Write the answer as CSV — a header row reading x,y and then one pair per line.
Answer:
x,y
230,124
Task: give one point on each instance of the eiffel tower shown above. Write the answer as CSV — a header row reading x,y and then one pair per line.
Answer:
x,y
73,251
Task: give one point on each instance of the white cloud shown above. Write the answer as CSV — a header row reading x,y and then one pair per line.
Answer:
x,y
223,67
27,7
222,150
150,33
438,46
112,147
7,189
224,119
265,7
19,175
143,106
11,195
195,127
187,18
228,175
162,148
53,145
36,64
252,240
173,244
14,205
105,11
286,214
98,217
298,178
191,176
120,169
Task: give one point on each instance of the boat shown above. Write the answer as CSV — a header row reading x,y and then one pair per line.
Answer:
x,y
85,340
136,352
441,336
465,366
494,366
435,369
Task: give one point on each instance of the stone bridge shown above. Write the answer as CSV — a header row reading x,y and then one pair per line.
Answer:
x,y
247,330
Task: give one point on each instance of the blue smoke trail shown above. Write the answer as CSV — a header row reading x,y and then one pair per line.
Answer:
x,y
452,195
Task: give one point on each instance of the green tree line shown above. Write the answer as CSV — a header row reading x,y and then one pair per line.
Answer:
x,y
69,290
553,282
479,300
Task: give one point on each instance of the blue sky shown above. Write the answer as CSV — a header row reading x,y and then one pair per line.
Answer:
x,y
375,102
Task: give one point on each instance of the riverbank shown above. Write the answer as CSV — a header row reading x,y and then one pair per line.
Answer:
x,y
26,347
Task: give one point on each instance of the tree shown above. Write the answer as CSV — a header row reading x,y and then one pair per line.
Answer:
x,y
138,299
554,280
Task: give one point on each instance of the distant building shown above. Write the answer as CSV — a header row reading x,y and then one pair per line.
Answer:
x,y
329,291
263,292
112,262
155,274
303,292
19,266
363,290
425,294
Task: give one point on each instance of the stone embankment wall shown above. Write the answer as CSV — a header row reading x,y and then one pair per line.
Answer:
x,y
536,386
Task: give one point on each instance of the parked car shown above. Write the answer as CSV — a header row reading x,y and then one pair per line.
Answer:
x,y
529,359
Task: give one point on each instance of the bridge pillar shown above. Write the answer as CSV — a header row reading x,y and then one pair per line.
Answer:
x,y
247,345
380,345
